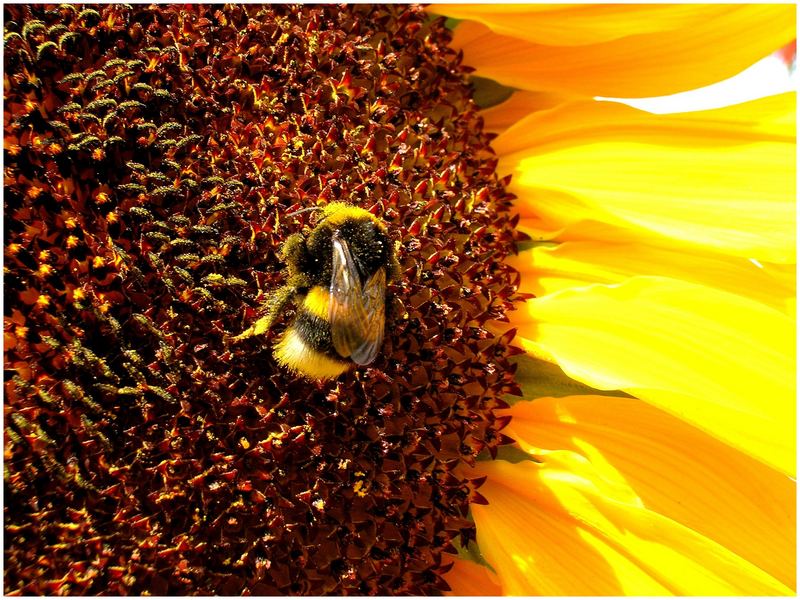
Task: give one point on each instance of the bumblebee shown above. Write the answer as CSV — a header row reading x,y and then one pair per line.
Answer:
x,y
337,276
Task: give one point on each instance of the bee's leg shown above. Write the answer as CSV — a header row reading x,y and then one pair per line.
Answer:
x,y
394,272
394,307
276,303
294,253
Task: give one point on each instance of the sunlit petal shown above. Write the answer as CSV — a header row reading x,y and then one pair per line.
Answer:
x,y
769,118
593,537
578,263
721,361
582,24
468,578
655,63
675,469
521,103
721,180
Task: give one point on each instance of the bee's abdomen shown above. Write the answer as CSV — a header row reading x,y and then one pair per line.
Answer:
x,y
306,346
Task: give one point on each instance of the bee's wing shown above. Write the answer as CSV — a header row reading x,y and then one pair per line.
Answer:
x,y
356,315
373,300
345,310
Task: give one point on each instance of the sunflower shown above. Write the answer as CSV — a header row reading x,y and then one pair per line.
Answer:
x,y
661,270
157,160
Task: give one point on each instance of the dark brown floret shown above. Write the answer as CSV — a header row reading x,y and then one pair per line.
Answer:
x,y
152,154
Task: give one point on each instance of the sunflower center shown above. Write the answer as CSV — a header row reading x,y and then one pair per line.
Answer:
x,y
152,157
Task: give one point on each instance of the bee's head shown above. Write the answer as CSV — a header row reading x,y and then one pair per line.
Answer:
x,y
336,213
368,242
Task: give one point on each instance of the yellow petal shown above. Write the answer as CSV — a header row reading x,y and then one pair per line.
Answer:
x,y
722,362
581,24
468,578
559,528
692,54
723,180
769,118
500,117
572,264
675,469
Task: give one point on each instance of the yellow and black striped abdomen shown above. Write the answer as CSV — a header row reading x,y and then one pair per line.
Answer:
x,y
306,346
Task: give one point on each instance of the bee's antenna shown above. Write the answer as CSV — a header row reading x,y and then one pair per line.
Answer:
x,y
302,210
